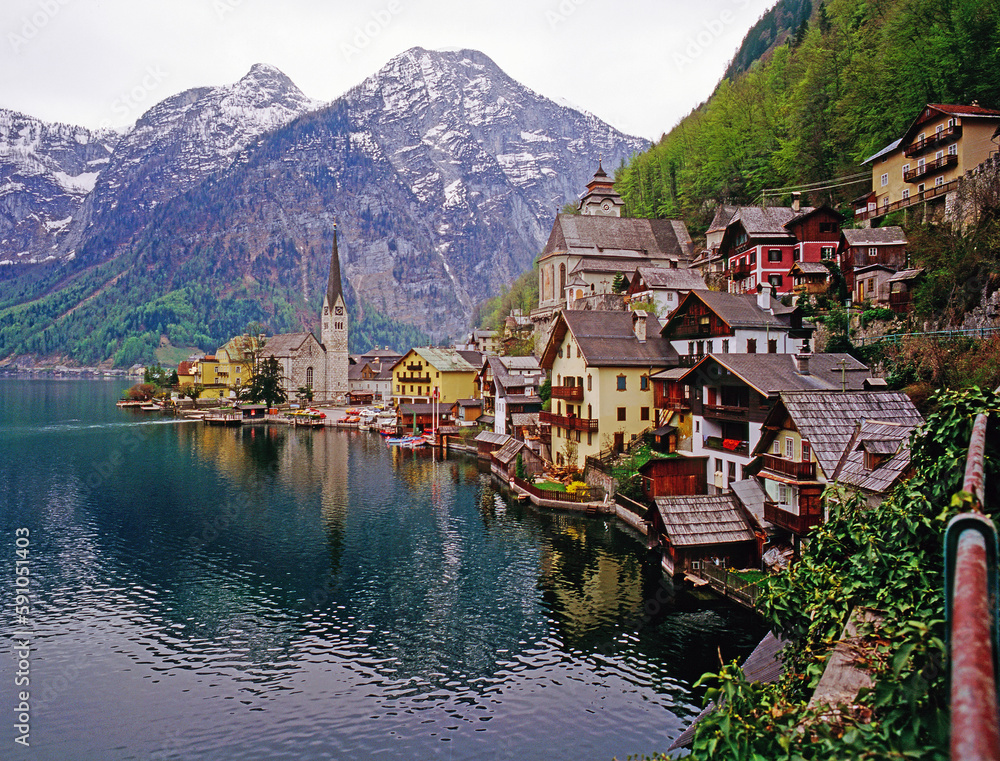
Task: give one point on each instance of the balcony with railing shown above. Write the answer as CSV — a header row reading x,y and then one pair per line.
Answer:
x,y
702,328
415,378
569,393
719,444
741,271
938,138
572,423
415,367
673,398
800,471
922,170
726,411
784,517
927,195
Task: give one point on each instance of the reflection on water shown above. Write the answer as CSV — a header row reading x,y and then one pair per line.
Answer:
x,y
275,592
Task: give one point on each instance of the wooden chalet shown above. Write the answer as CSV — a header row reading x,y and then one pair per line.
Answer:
x,y
503,461
674,476
700,529
901,287
808,436
809,278
862,248
419,417
488,442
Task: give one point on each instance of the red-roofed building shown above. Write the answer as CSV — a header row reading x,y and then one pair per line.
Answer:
x,y
941,144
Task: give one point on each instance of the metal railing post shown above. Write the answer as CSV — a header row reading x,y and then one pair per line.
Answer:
x,y
971,588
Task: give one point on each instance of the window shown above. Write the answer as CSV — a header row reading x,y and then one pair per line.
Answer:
x,y
578,352
920,188
796,254
590,383
644,383
938,182
789,448
577,437
309,377
772,345
872,251
725,345
806,451
697,426
590,438
826,252
939,155
751,346
752,259
776,448
774,280
906,193
774,254
906,168
953,149
690,347
621,413
782,494
921,164
621,382
884,179
718,465
732,471
827,227
939,129
644,413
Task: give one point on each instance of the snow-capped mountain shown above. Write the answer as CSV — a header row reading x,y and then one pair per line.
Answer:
x,y
443,173
46,172
181,141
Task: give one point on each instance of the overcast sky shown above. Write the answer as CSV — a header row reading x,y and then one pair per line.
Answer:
x,y
639,64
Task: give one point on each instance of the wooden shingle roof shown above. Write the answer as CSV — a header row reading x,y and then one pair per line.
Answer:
x,y
829,419
886,438
607,339
654,238
698,520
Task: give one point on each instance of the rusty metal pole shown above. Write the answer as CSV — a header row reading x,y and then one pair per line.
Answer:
x,y
971,603
975,729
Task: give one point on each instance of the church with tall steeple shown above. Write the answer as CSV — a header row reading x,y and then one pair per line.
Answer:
x,y
319,365
333,333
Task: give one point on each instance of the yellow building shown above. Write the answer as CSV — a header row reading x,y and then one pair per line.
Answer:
x,y
600,364
425,370
938,148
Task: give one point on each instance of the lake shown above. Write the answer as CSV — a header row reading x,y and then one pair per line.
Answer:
x,y
278,593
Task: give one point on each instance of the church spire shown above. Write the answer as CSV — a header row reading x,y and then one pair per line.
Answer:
x,y
333,288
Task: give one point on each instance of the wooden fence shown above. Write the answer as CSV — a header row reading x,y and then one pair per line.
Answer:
x,y
729,584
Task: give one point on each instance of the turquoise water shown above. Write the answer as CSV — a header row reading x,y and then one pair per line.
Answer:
x,y
276,593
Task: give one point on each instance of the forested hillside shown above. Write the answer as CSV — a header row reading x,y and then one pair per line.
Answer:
x,y
841,88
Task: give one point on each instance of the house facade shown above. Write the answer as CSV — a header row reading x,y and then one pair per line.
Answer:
x,y
760,244
663,287
731,396
810,438
941,144
429,374
860,250
600,365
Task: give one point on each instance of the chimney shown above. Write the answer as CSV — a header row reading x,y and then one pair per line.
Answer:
x,y
639,325
796,198
764,297
801,363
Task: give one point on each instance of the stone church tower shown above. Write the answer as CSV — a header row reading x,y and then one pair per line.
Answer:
x,y
601,198
334,330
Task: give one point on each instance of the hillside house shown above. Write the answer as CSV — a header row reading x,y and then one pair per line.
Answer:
x,y
761,244
372,373
810,437
926,163
591,247
809,278
731,396
600,364
662,287
861,251
709,322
